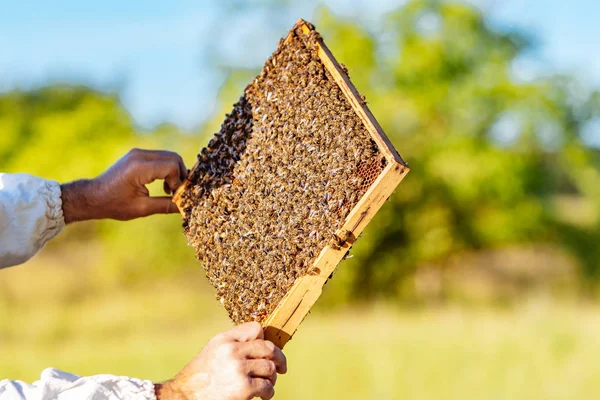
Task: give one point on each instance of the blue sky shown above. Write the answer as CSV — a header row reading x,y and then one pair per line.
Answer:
x,y
155,52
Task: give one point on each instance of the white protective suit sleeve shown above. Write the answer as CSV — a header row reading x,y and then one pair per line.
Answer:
x,y
31,215
58,385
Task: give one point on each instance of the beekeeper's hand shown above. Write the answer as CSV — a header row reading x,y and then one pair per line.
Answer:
x,y
120,193
234,365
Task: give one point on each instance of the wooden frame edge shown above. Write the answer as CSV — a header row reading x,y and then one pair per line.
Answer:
x,y
354,97
282,323
179,192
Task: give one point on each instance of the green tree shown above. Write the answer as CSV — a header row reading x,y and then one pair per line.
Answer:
x,y
447,98
491,155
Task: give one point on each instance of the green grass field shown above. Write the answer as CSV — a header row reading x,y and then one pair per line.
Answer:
x,y
540,350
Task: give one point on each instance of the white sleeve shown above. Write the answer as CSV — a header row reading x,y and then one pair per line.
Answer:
x,y
30,215
58,385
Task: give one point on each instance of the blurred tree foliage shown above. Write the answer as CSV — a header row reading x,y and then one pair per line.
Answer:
x,y
71,132
489,154
495,161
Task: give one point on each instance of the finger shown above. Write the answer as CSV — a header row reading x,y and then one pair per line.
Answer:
x,y
182,168
264,349
262,369
164,155
174,157
156,205
150,171
262,388
166,187
245,332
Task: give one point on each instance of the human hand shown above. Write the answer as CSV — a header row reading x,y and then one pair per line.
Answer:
x,y
120,193
235,365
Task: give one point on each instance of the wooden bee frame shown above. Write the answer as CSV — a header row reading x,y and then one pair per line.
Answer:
x,y
282,323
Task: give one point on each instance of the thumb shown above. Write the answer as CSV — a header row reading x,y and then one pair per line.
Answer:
x,y
245,332
158,205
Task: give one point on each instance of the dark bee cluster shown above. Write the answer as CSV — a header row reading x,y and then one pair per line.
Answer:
x,y
274,185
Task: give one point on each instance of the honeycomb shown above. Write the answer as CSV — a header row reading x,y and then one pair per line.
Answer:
x,y
275,184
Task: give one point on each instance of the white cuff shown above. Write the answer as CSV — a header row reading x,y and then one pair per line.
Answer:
x,y
55,222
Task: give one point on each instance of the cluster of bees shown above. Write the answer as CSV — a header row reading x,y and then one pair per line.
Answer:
x,y
277,181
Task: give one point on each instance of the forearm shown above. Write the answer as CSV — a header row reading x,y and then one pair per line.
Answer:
x,y
164,391
79,202
172,390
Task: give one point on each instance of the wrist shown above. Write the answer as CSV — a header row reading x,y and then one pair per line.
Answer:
x,y
167,391
78,202
159,391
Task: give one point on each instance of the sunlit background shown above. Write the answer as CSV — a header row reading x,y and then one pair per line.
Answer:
x,y
478,279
